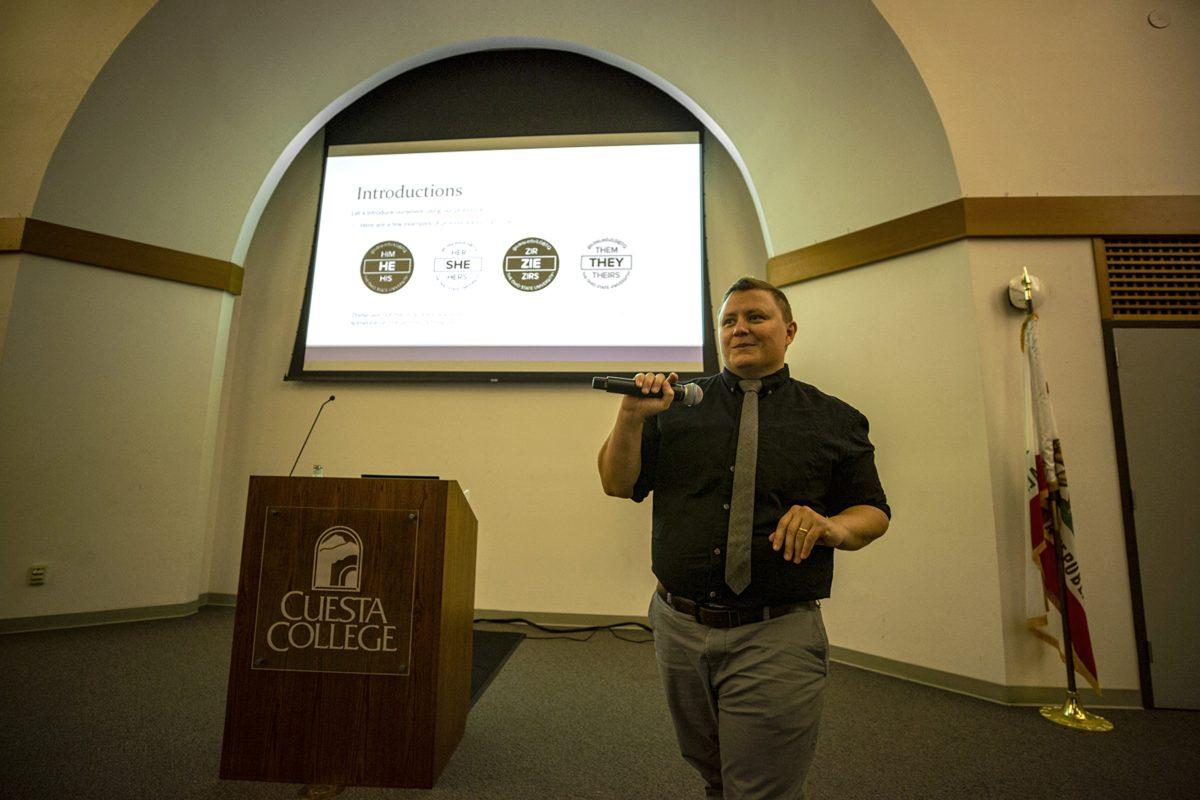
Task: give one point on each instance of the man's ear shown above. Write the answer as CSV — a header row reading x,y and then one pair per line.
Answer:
x,y
791,331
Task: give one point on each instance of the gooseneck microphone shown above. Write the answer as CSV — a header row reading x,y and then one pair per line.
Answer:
x,y
689,394
310,430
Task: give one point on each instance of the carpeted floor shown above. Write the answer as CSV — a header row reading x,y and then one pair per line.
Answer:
x,y
136,710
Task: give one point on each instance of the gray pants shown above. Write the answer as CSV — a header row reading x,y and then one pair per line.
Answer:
x,y
746,701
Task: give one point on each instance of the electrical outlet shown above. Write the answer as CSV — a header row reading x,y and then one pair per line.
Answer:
x,y
37,574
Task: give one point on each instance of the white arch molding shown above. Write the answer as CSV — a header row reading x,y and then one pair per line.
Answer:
x,y
275,174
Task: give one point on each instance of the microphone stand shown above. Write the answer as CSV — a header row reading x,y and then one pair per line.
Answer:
x,y
310,430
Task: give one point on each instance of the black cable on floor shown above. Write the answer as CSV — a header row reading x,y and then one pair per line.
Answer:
x,y
559,632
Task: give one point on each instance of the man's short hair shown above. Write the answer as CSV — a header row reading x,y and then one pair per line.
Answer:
x,y
746,283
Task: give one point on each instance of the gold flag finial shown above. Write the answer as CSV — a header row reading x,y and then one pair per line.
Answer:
x,y
1027,285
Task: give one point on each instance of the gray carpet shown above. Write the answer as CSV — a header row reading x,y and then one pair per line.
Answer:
x,y
136,710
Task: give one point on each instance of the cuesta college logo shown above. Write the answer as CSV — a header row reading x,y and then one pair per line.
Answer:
x,y
349,609
336,559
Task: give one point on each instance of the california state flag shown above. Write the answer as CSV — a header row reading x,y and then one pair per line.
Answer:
x,y
1049,505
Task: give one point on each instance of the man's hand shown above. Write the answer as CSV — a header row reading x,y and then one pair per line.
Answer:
x,y
620,458
642,407
801,529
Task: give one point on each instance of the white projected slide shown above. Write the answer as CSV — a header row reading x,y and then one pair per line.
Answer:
x,y
539,254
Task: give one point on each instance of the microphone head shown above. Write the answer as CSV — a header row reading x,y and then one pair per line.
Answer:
x,y
332,397
692,394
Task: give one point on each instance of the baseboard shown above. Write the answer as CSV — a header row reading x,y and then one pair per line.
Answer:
x,y
88,619
938,679
981,689
218,599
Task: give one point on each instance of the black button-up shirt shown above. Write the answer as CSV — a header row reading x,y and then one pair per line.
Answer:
x,y
813,450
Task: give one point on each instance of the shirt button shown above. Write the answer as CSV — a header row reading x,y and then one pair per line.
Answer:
x,y
712,594
731,469
717,551
726,506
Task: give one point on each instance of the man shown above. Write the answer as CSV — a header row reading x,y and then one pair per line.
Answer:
x,y
753,490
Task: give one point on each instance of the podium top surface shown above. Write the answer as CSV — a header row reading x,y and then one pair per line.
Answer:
x,y
403,477
372,477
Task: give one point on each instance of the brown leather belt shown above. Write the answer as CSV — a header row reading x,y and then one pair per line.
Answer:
x,y
724,617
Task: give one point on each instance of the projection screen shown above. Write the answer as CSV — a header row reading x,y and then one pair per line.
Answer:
x,y
508,258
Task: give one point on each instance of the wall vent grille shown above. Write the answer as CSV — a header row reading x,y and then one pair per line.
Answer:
x,y
1149,278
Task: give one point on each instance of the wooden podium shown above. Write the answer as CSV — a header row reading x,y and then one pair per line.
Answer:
x,y
351,658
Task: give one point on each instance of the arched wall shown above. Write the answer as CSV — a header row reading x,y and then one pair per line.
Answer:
x,y
186,123
1079,97
183,140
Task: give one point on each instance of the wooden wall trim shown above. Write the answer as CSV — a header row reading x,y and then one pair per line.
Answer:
x,y
1100,261
948,222
1083,216
928,228
29,235
1168,215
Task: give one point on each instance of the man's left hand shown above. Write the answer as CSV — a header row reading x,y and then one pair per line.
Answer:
x,y
801,529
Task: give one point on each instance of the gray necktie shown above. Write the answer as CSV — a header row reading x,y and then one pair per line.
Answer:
x,y
741,507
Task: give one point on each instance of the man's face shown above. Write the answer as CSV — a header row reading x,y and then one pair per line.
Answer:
x,y
754,337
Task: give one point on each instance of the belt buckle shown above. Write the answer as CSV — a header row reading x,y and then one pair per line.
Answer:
x,y
720,617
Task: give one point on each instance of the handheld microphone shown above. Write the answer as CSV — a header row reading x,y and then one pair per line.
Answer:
x,y
689,394
310,430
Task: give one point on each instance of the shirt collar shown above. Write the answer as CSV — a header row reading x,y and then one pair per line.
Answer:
x,y
770,382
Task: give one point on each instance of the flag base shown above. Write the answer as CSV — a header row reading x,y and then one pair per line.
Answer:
x,y
319,791
1072,715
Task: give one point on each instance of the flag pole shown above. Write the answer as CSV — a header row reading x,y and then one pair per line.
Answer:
x,y
1064,608
1070,714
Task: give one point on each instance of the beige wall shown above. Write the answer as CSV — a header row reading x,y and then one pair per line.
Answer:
x,y
9,264
50,53
898,343
1075,97
103,426
549,539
